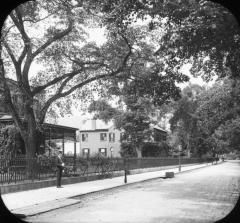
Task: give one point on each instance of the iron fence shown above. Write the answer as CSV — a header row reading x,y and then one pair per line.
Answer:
x,y
21,169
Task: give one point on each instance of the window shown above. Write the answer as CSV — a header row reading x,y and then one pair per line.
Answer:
x,y
123,137
84,137
111,137
103,151
103,136
86,152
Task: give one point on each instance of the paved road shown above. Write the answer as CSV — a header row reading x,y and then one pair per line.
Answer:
x,y
203,195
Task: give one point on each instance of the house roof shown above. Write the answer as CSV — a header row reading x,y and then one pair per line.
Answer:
x,y
60,126
99,125
95,125
5,117
159,128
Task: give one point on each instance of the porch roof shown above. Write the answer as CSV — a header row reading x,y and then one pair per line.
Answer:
x,y
51,131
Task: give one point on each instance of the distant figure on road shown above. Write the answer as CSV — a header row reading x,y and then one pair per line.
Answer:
x,y
60,166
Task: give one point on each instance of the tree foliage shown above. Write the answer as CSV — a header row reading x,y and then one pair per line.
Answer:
x,y
218,115
102,110
205,34
201,32
208,122
184,120
10,143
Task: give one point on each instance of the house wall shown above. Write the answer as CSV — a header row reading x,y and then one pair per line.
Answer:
x,y
94,143
159,135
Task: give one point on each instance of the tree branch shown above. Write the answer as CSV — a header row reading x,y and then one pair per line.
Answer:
x,y
129,49
64,84
5,32
19,24
10,53
39,20
56,37
17,66
23,54
38,89
18,21
83,63
61,94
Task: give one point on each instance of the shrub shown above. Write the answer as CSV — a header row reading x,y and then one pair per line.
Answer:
x,y
151,149
11,143
128,150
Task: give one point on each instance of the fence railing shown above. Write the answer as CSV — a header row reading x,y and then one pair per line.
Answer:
x,y
18,170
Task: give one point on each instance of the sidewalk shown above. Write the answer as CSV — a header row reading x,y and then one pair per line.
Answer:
x,y
42,200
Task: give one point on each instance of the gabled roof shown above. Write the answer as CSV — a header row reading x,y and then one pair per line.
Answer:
x,y
99,125
95,125
158,128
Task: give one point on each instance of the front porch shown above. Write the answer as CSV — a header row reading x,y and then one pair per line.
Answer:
x,y
52,139
57,135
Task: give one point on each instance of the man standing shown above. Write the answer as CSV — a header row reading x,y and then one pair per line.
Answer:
x,y
60,166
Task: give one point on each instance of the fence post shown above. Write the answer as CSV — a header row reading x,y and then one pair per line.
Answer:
x,y
125,170
75,155
179,160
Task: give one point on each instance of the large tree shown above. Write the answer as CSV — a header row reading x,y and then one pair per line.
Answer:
x,y
53,34
184,119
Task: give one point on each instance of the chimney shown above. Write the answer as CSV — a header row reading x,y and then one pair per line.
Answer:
x,y
93,124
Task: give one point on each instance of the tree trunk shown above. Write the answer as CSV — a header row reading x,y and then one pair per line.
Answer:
x,y
31,148
139,152
31,142
31,145
31,138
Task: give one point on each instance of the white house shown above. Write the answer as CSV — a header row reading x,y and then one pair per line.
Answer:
x,y
97,136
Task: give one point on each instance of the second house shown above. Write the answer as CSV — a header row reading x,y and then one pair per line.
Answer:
x,y
96,136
